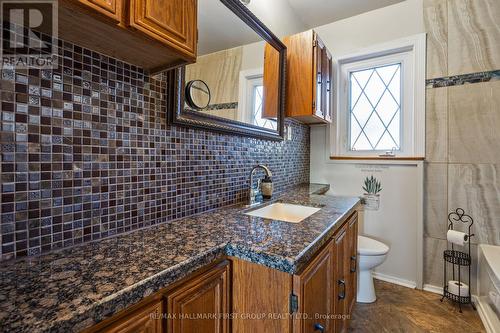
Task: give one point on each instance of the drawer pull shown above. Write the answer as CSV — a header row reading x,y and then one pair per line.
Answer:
x,y
342,293
353,260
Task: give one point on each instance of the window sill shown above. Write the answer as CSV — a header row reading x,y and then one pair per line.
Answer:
x,y
379,158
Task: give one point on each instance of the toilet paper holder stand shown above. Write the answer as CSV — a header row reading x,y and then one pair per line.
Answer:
x,y
459,260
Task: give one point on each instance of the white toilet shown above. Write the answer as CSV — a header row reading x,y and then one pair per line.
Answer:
x,y
371,253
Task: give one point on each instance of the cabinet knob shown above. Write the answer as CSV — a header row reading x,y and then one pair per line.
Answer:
x,y
318,327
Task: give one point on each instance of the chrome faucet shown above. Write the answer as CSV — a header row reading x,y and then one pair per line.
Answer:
x,y
254,192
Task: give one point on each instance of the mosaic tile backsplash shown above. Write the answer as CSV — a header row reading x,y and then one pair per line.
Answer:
x,y
86,154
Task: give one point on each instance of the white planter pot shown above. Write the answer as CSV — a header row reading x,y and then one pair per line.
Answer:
x,y
371,201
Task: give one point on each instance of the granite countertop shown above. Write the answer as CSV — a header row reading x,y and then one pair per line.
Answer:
x,y
74,288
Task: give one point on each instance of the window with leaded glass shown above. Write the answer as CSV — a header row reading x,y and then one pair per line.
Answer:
x,y
380,101
257,99
375,108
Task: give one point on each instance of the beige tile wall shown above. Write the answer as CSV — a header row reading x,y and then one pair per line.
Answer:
x,y
474,123
436,125
476,188
433,262
462,166
436,23
436,200
473,30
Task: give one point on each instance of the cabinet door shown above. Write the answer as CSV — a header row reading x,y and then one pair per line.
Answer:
x,y
327,84
111,8
271,82
314,288
340,306
147,319
318,87
199,305
172,22
352,236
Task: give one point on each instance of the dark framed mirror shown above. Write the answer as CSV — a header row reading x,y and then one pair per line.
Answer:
x,y
237,84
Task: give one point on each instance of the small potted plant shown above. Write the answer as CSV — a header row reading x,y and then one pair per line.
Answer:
x,y
371,197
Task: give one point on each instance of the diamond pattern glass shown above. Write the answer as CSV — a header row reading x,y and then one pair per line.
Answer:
x,y
257,110
375,108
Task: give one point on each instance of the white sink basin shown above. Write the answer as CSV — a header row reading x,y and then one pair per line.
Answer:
x,y
284,212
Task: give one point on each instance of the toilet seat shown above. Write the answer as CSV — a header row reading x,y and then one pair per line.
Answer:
x,y
371,247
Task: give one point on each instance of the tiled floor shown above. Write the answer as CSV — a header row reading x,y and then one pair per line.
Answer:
x,y
400,309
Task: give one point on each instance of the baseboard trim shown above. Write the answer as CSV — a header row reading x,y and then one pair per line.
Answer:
x,y
433,289
488,316
395,280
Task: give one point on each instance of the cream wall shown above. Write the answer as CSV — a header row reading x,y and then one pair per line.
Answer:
x,y
374,27
278,16
397,221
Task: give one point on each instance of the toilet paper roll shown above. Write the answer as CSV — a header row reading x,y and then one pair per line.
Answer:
x,y
454,286
457,237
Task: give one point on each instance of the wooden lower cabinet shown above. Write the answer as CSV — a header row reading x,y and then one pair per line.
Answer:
x,y
341,274
235,295
326,288
145,319
314,290
200,304
258,290
352,236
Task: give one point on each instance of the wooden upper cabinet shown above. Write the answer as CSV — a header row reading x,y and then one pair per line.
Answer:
x,y
318,87
152,34
314,289
111,8
327,87
169,21
271,82
199,305
309,78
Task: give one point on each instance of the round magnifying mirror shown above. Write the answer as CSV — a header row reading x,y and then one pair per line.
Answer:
x,y
197,94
